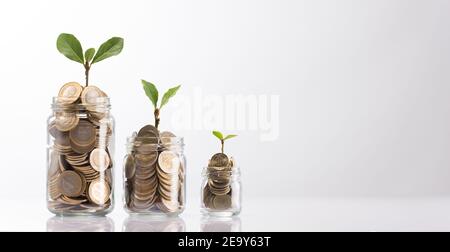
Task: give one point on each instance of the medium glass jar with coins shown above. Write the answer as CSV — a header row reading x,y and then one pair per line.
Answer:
x,y
221,187
221,191
154,173
80,152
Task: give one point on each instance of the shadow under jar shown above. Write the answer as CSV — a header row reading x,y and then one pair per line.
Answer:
x,y
154,176
221,191
80,158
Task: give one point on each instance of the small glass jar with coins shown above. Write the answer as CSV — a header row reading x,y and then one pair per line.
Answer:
x,y
221,187
154,173
80,152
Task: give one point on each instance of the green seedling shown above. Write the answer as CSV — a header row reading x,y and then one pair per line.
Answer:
x,y
152,93
222,139
70,46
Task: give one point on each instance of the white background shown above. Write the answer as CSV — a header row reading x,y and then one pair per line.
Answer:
x,y
363,85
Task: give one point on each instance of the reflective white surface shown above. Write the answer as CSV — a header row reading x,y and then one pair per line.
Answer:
x,y
427,214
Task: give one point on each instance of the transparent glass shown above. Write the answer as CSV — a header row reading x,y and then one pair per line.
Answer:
x,y
211,224
154,176
147,223
80,224
221,192
80,158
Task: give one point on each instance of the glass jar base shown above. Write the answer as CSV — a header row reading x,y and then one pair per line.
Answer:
x,y
75,214
156,214
70,213
152,215
215,213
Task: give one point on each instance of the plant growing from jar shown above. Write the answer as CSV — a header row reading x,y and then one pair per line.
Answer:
x,y
70,46
80,176
217,191
155,165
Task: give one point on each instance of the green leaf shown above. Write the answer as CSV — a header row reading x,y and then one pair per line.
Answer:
x,y
151,92
70,47
89,54
229,137
218,135
169,94
108,49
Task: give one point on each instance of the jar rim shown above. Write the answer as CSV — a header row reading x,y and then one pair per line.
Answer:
x,y
235,171
63,103
154,141
136,138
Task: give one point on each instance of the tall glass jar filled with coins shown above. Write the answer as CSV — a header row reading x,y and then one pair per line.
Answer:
x,y
155,166
80,148
221,190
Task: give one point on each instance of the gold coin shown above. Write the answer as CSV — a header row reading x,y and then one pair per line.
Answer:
x,y
139,205
146,194
145,172
220,192
90,96
130,167
83,137
54,164
84,134
169,162
222,202
71,184
61,138
167,138
82,149
63,164
53,190
170,193
146,148
99,192
170,205
99,160
146,160
207,197
219,160
109,176
72,201
66,121
148,131
70,92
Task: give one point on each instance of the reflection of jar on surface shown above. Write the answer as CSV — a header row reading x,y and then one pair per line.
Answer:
x,y
154,175
221,188
220,224
80,224
138,223
80,157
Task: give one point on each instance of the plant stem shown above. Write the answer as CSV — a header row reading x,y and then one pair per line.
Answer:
x,y
223,146
87,67
157,119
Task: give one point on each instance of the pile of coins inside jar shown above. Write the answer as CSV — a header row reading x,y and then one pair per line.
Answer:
x,y
217,193
80,170
154,173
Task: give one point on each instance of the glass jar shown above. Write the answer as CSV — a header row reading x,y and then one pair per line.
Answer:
x,y
154,176
80,158
221,191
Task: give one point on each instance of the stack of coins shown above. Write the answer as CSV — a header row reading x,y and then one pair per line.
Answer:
x,y
79,174
217,193
154,173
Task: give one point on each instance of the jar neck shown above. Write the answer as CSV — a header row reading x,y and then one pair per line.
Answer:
x,y
233,172
101,105
175,144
